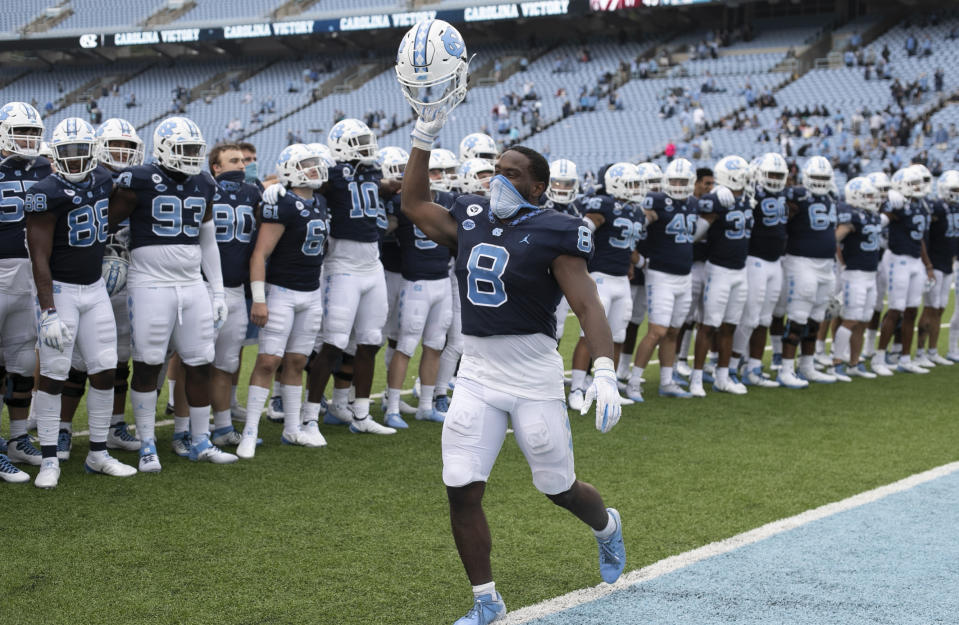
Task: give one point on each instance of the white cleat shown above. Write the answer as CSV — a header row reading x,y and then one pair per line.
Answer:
x,y
237,412
106,464
149,461
247,447
576,399
789,379
299,438
925,362
119,437
756,377
49,474
880,368
683,369
10,473
731,387
634,390
839,372
911,367
312,430
859,371
367,425
625,401
813,375
205,451
696,389
822,360
939,360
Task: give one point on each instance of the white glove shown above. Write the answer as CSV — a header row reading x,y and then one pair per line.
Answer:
x,y
724,195
53,332
834,307
896,200
427,129
605,392
220,310
273,193
122,236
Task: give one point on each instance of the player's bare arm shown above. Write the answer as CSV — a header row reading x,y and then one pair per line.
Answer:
x,y
580,291
40,227
122,204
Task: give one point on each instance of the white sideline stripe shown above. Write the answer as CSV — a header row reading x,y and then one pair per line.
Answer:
x,y
674,563
408,391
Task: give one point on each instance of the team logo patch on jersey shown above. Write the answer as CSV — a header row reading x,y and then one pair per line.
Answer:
x,y
299,205
304,213
156,178
348,172
69,192
469,224
669,203
497,232
473,210
77,199
160,188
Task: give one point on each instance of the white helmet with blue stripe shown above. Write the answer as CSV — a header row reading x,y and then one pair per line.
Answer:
x,y
679,179
771,172
880,180
650,178
817,175
731,172
325,152
350,140
947,187
443,161
563,181
431,67
861,193
622,181
300,166
475,174
478,145
74,149
392,162
118,144
21,129
178,145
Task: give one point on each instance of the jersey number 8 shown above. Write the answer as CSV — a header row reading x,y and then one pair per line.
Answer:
x,y
484,278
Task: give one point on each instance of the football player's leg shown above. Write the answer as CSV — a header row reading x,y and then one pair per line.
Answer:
x,y
434,339
450,357
415,304
917,279
121,316
682,300
369,321
307,320
19,332
637,316
151,330
953,353
226,362
340,302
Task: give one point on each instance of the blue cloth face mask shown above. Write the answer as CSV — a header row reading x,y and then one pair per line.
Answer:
x,y
250,172
504,200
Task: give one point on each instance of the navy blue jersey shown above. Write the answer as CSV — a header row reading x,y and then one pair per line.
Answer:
x,y
506,285
80,235
574,208
234,215
169,207
768,240
669,239
943,236
17,176
811,232
727,240
421,258
861,247
353,197
615,240
389,245
298,256
907,228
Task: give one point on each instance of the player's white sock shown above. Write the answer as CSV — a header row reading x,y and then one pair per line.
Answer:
x,y
18,427
256,397
806,363
99,409
869,345
932,351
68,425
820,347
789,365
904,358
712,356
622,369
361,407
840,344
388,356
426,398
777,343
311,411
47,413
292,402
577,377
607,531
199,423
233,401
920,352
221,419
276,387
393,400
341,396
181,424
755,363
880,356
665,376
144,413
636,376
696,378
171,385
117,418
722,375
484,589
448,361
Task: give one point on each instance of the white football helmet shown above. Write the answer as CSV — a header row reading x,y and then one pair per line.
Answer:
x,y
817,175
911,183
475,174
118,144
772,172
563,181
862,194
352,140
324,151
947,187
731,172
926,178
74,149
650,178
431,67
622,182
116,266
679,179
444,162
21,129
392,162
178,145
300,166
478,145
880,180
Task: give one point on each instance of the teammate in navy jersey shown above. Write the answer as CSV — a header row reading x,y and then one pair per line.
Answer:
x,y
172,236
425,313
235,206
21,131
514,261
809,270
943,244
764,273
729,217
909,270
562,196
858,233
670,226
617,224
67,233
287,299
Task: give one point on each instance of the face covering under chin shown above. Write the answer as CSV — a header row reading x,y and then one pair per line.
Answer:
x,y
250,172
504,200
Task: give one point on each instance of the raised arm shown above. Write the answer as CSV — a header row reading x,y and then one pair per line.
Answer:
x,y
417,202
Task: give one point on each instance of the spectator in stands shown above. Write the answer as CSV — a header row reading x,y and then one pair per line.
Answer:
x,y
925,48
886,54
849,58
292,87
615,101
749,94
584,56
567,108
867,73
643,68
513,135
856,40
699,119
248,97
115,89
939,79
941,138
953,33
706,148
670,151
131,100
523,64
911,45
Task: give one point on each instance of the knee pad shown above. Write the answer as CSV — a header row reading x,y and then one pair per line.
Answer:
x,y
792,333
120,378
17,383
105,360
340,375
812,329
72,390
77,377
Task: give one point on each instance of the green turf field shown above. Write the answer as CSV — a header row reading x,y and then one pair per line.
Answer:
x,y
358,532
